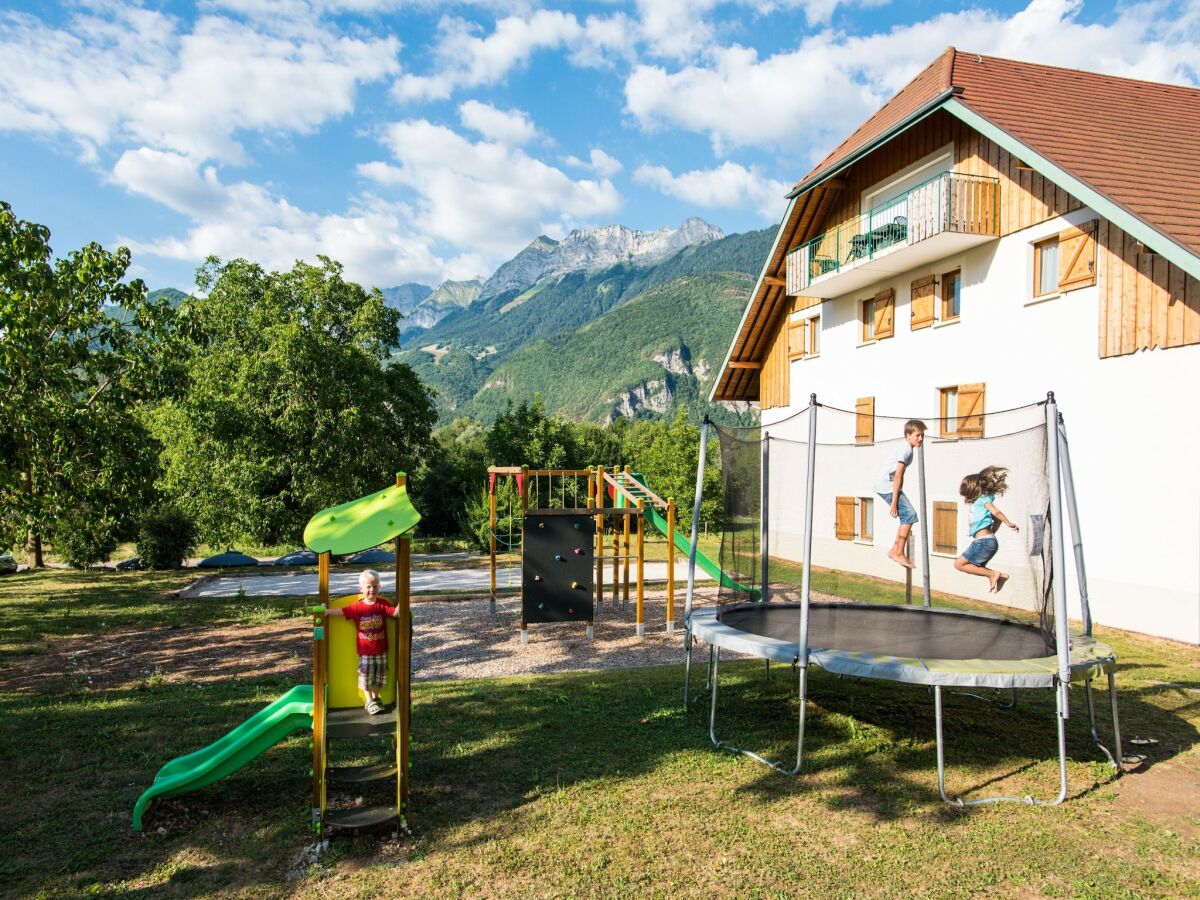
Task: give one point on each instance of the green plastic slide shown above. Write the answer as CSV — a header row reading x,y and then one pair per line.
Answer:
x,y
266,728
710,567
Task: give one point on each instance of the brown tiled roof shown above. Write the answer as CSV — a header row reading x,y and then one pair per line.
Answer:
x,y
1135,142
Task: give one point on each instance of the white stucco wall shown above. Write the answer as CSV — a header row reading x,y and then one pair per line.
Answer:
x,y
1132,422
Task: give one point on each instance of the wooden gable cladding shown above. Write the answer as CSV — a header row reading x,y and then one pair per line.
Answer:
x,y
921,301
773,384
1146,302
1025,197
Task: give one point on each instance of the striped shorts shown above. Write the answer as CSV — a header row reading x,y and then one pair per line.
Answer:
x,y
372,671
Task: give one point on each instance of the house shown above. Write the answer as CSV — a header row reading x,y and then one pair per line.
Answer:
x,y
996,230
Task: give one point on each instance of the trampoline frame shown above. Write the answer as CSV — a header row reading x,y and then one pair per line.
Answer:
x,y
1085,668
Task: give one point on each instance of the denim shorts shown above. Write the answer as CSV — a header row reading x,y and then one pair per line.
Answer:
x,y
981,551
908,515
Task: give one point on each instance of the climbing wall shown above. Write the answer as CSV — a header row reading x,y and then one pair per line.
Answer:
x,y
558,565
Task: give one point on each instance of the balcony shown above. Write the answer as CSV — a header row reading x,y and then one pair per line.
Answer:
x,y
939,217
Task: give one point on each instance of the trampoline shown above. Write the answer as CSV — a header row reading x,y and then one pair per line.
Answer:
x,y
771,546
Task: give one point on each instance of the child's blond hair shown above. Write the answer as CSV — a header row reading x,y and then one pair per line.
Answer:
x,y
367,576
914,425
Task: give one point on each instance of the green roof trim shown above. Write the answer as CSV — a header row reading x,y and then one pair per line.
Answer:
x,y
1118,215
363,523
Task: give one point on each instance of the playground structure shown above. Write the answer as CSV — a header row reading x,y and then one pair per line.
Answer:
x,y
621,505
334,710
1031,644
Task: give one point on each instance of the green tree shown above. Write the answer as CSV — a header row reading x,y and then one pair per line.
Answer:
x,y
450,477
669,458
525,435
81,350
291,405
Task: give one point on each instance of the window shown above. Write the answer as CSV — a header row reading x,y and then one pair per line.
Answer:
x,y
1045,267
854,519
945,527
866,512
1065,261
804,337
961,411
877,316
864,420
951,285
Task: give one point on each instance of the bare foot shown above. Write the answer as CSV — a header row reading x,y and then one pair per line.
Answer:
x,y
998,583
902,559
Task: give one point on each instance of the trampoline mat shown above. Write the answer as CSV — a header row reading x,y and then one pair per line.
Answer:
x,y
897,631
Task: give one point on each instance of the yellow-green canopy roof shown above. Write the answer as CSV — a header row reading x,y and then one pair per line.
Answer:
x,y
366,522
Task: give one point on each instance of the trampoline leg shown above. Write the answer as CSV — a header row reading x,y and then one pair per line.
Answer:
x,y
687,665
714,660
718,743
1116,721
1114,760
982,801
803,691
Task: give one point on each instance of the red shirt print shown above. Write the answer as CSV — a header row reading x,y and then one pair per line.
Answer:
x,y
371,625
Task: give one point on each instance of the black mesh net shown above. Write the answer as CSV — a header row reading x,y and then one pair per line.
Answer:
x,y
854,537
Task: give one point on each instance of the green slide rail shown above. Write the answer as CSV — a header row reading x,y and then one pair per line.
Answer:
x,y
711,568
266,728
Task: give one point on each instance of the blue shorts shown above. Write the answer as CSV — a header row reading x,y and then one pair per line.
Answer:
x,y
981,551
908,515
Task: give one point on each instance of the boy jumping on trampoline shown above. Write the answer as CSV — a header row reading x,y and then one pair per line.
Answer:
x,y
891,484
979,491
371,637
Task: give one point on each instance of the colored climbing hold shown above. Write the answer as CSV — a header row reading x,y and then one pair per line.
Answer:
x,y
537,577
578,526
570,612
558,557
579,551
541,606
541,524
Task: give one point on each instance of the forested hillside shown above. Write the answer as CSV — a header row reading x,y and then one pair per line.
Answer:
x,y
472,347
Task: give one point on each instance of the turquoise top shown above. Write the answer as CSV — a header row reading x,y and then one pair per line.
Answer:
x,y
980,516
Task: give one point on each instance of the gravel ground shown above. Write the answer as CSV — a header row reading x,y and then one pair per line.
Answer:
x,y
462,639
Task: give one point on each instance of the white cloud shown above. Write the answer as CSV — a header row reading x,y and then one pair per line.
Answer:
x,y
828,85
468,60
729,186
507,126
485,195
598,161
137,77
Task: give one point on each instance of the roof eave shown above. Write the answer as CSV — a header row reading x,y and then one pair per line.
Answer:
x,y
904,124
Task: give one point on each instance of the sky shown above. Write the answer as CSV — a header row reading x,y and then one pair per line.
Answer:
x,y
416,140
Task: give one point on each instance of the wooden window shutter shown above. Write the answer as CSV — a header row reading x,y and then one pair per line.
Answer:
x,y
885,318
970,410
922,302
796,339
1077,256
864,420
945,527
844,521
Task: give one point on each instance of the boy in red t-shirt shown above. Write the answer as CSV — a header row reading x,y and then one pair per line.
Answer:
x,y
367,615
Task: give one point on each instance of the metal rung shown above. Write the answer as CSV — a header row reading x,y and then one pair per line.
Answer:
x,y
362,774
360,816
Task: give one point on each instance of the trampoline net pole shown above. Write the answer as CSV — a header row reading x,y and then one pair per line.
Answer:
x,y
764,529
1058,565
1064,460
806,571
924,526
691,573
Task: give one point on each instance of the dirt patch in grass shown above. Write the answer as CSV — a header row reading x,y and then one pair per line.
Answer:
x,y
199,653
1167,794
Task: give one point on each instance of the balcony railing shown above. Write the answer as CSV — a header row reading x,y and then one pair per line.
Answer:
x,y
946,203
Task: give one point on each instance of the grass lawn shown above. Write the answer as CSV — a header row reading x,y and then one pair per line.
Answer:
x,y
588,784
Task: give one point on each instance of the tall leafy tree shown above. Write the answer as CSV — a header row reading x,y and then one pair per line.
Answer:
x,y
80,350
292,402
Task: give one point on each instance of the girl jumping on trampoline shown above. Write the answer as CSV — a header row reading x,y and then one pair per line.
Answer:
x,y
979,492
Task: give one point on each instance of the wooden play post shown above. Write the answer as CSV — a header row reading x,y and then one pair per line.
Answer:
x,y
403,662
641,567
670,565
599,495
320,664
626,532
492,523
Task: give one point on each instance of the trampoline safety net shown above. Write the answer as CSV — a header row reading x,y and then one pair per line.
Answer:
x,y
853,531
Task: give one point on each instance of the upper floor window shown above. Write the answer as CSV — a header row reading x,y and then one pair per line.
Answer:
x,y
951,286
804,337
960,410
1045,267
1065,261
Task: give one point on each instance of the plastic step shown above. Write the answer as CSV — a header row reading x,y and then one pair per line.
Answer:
x,y
362,774
357,722
360,816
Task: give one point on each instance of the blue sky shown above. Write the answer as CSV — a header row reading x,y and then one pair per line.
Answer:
x,y
415,140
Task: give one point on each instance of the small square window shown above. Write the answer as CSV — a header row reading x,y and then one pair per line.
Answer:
x,y
1045,267
949,411
866,513
951,285
814,337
